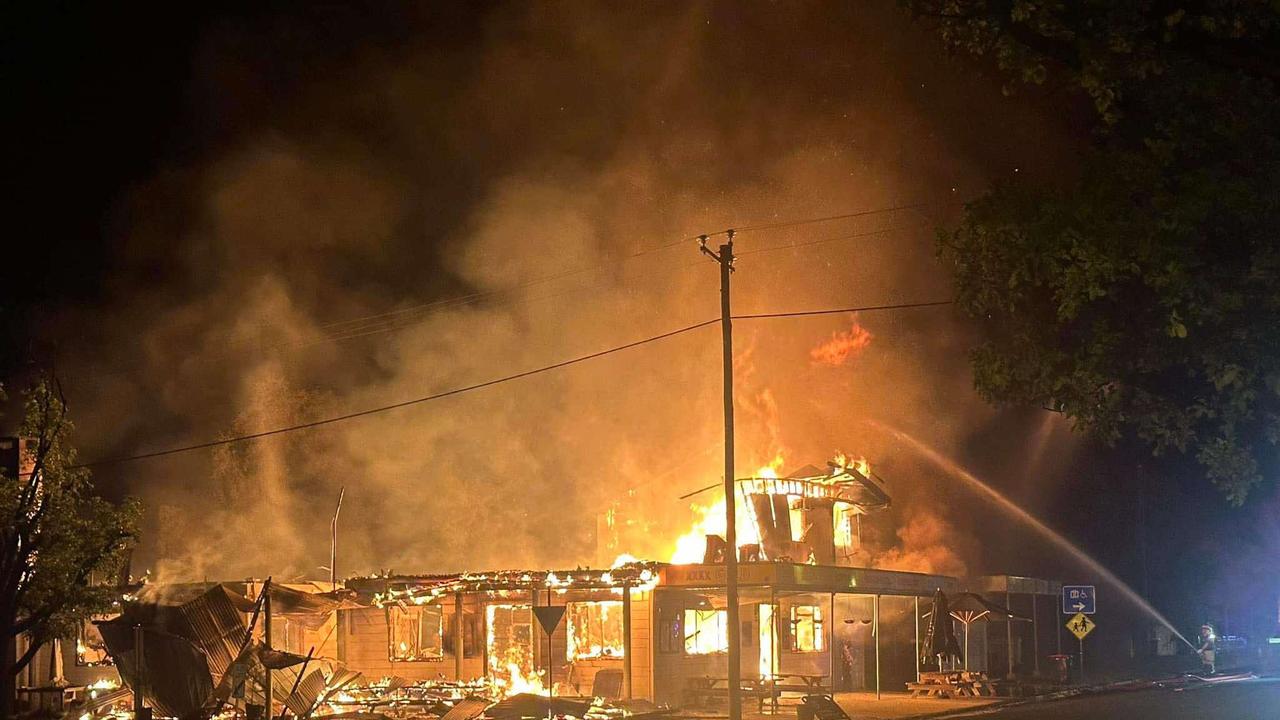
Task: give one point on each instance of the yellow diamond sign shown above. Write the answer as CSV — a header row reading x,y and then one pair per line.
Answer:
x,y
1080,625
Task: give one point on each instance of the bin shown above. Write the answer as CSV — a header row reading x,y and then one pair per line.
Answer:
x,y
1061,665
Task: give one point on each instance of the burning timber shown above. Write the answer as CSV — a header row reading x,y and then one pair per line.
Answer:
x,y
637,638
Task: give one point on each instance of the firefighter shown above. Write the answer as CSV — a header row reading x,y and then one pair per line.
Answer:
x,y
1208,640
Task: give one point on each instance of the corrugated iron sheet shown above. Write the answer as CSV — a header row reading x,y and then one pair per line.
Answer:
x,y
216,627
309,692
176,673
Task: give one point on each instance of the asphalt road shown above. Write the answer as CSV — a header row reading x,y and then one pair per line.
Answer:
x,y
1244,700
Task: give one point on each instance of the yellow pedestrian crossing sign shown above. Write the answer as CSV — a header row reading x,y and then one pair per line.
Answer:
x,y
1080,625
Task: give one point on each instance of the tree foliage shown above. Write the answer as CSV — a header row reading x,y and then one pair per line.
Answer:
x,y
61,546
1139,295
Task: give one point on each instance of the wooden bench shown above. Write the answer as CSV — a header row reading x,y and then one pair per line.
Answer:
x,y
700,691
932,689
800,684
952,684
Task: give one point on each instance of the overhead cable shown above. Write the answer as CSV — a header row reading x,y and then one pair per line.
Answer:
x,y
495,381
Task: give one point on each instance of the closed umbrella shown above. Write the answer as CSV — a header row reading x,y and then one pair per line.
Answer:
x,y
940,641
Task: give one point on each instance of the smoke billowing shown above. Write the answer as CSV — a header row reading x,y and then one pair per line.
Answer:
x,y
534,160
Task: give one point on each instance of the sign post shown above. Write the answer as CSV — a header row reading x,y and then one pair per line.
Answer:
x,y
1081,625
549,617
1080,601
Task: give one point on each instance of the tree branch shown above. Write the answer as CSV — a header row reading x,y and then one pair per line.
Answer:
x,y
25,659
82,576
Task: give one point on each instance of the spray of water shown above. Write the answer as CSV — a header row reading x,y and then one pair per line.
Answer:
x,y
954,469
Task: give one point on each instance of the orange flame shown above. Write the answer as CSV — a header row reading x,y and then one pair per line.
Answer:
x,y
517,679
841,461
710,520
842,346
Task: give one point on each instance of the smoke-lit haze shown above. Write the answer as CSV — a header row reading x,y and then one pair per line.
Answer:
x,y
537,157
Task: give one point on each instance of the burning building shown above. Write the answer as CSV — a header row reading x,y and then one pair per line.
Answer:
x,y
796,518
813,619
659,631
642,630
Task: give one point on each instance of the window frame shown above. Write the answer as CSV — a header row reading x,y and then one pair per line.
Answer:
x,y
614,606
817,628
699,618
422,612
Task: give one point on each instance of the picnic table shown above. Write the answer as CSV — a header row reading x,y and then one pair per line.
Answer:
x,y
762,690
800,682
698,690
804,684
960,683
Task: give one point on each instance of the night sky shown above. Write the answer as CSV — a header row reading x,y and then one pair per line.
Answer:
x,y
200,197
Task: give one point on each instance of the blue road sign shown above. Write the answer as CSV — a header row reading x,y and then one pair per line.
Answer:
x,y
1079,599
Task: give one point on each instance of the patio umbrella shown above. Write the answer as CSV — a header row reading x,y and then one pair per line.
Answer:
x,y
970,607
940,641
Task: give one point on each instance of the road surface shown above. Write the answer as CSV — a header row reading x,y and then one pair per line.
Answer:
x,y
1244,700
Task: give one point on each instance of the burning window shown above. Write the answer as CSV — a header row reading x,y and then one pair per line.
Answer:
x,y
415,633
766,640
706,631
806,628
90,649
472,635
595,629
510,649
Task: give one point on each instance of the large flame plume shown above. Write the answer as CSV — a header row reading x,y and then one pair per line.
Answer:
x,y
508,212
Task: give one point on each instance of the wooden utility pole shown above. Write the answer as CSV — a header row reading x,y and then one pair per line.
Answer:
x,y
459,637
725,258
266,640
333,547
626,640
139,665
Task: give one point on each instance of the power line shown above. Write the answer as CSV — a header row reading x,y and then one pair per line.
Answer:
x,y
813,221
820,241
837,311
394,324
405,403
497,381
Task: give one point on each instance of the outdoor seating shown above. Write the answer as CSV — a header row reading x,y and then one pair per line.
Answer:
x,y
796,683
960,683
705,690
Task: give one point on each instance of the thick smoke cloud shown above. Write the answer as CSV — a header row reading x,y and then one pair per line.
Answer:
x,y
300,267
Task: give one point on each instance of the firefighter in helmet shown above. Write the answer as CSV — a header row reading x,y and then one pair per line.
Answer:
x,y
1208,641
